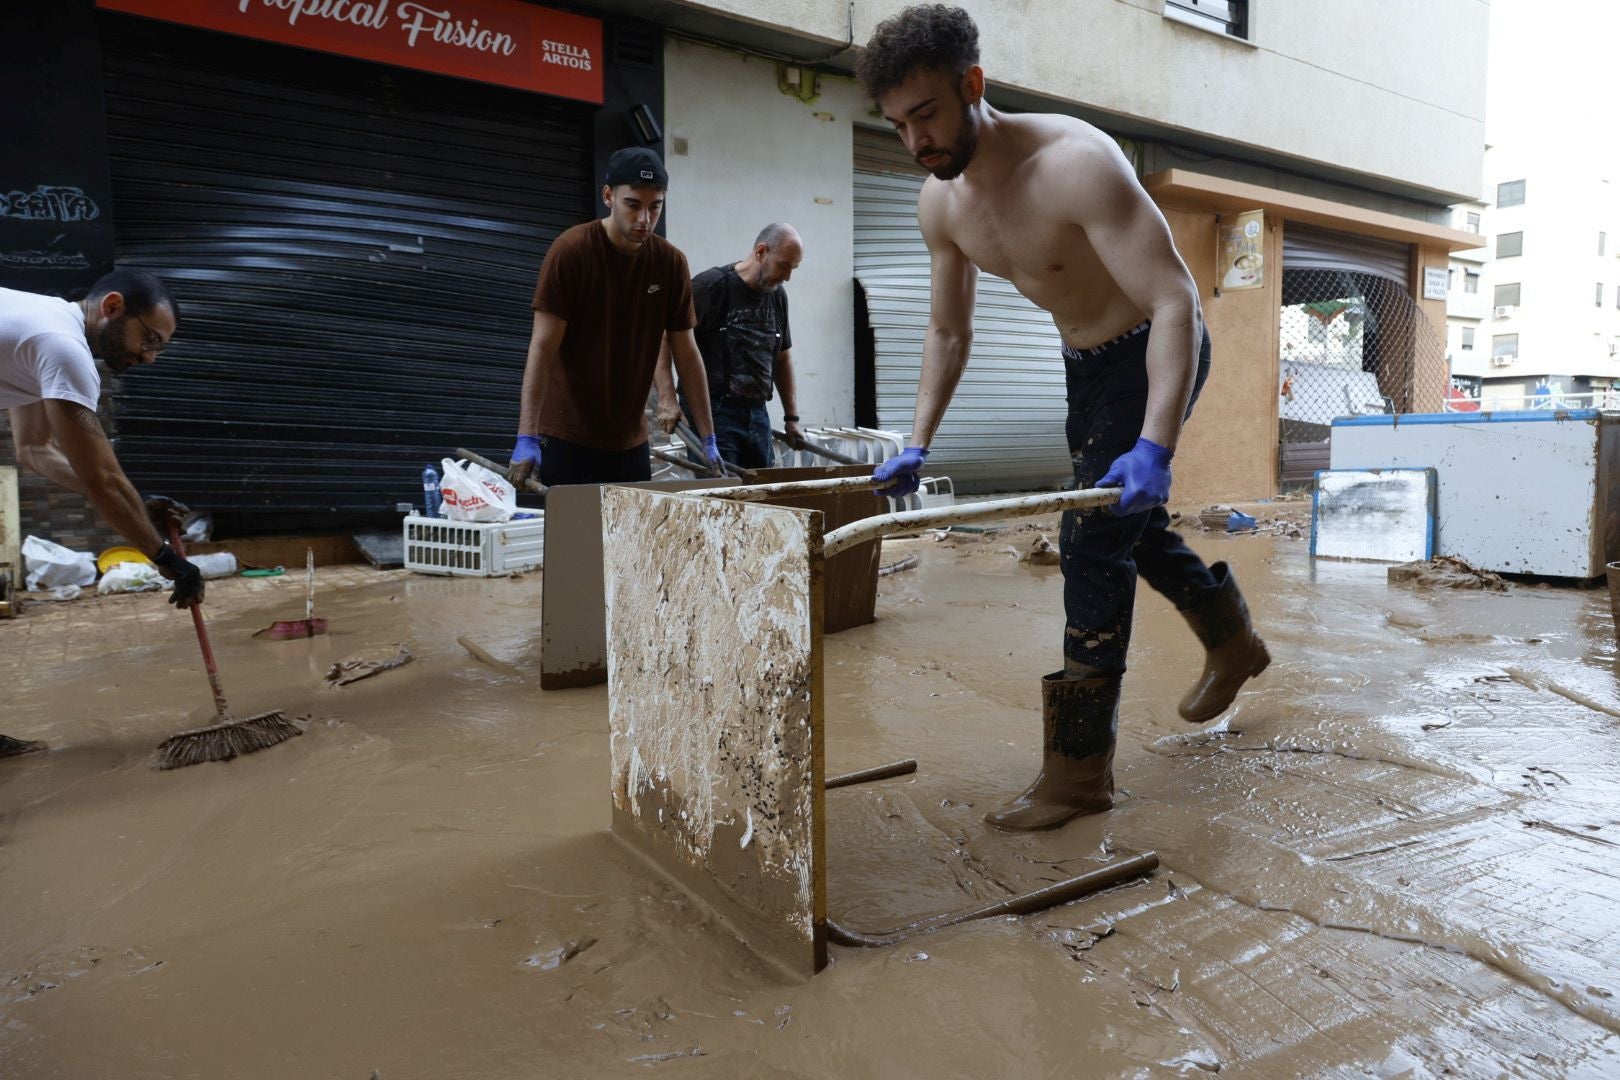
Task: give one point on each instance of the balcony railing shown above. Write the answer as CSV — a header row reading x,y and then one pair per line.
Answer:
x,y
1599,399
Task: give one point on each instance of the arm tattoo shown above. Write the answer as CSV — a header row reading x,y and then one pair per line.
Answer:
x,y
85,418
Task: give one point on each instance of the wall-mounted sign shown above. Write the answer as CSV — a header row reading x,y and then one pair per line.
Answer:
x,y
1435,282
1242,252
506,42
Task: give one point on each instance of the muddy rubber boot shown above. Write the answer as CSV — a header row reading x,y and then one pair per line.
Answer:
x,y
1081,719
1233,652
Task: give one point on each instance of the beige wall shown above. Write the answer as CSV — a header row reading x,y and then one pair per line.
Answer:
x,y
10,524
741,155
1433,373
1228,452
1387,88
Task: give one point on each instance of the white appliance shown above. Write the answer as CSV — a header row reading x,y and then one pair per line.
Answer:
x,y
1527,492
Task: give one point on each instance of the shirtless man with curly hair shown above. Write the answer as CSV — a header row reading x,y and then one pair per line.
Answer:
x,y
1050,203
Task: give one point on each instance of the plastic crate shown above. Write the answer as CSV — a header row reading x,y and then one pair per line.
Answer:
x,y
474,548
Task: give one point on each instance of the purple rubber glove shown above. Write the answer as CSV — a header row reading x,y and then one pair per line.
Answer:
x,y
527,449
903,471
711,450
1144,473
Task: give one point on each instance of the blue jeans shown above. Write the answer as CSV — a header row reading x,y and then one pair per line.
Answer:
x,y
1102,554
742,430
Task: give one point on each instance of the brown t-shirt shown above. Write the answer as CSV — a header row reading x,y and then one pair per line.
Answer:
x,y
617,307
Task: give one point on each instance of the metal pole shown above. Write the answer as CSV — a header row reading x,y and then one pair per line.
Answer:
x,y
1062,892
697,470
761,492
815,448
963,513
695,444
531,484
877,772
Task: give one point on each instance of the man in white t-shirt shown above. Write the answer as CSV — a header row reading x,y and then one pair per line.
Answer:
x,y
51,386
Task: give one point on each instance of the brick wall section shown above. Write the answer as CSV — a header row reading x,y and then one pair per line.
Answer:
x,y
54,513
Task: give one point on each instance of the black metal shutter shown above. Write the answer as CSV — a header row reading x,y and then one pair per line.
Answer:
x,y
354,248
1307,247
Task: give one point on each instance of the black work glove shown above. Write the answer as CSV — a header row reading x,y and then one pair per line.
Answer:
x,y
188,580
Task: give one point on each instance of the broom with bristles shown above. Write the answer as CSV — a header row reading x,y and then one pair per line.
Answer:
x,y
225,738
10,747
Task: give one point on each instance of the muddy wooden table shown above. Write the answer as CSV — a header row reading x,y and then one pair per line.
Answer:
x,y
573,649
715,615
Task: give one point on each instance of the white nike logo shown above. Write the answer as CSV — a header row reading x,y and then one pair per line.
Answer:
x,y
653,288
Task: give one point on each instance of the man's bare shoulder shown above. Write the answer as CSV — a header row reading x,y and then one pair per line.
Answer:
x,y
934,209
1078,161
1065,142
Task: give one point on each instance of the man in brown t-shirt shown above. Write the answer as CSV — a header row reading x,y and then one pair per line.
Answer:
x,y
609,291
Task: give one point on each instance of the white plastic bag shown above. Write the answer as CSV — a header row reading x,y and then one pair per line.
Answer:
x,y
131,577
474,493
50,564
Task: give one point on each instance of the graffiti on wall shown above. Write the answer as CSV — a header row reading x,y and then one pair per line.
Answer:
x,y
47,260
49,202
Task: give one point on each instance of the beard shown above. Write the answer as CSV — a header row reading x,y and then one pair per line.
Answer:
x,y
959,153
109,346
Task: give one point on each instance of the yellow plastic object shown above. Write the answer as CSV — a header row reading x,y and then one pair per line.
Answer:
x,y
115,555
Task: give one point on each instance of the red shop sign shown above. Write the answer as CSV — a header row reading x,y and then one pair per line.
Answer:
x,y
507,42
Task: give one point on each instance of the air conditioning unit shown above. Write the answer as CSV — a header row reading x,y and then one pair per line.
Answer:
x,y
1506,311
1503,361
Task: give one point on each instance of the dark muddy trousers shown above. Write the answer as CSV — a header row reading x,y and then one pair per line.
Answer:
x,y
1102,554
564,462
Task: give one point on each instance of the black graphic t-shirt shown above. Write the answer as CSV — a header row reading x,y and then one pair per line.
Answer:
x,y
739,331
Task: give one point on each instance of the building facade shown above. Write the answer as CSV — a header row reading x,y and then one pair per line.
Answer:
x,y
1468,311
1351,216
354,232
1552,283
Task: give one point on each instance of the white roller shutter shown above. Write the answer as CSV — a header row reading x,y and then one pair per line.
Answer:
x,y
1004,429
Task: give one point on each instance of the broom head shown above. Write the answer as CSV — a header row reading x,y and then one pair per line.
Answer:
x,y
10,747
226,740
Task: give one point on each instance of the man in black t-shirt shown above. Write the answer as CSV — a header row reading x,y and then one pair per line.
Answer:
x,y
742,332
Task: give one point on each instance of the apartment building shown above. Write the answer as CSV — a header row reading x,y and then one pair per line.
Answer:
x,y
1553,282
1468,308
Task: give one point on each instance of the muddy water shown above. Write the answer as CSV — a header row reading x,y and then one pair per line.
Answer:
x,y
1392,858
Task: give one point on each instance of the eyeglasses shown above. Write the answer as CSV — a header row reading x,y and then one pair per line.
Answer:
x,y
153,341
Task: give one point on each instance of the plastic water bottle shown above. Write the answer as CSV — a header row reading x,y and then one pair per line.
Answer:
x,y
430,491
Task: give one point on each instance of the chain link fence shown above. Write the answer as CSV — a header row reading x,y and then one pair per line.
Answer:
x,y
1351,344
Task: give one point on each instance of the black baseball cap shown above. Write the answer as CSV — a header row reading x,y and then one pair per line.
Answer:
x,y
636,166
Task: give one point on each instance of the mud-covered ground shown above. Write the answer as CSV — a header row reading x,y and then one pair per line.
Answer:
x,y
1397,856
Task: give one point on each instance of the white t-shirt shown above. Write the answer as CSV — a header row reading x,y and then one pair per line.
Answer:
x,y
43,353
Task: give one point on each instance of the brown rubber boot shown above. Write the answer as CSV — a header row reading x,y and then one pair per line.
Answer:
x,y
1081,719
1233,652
